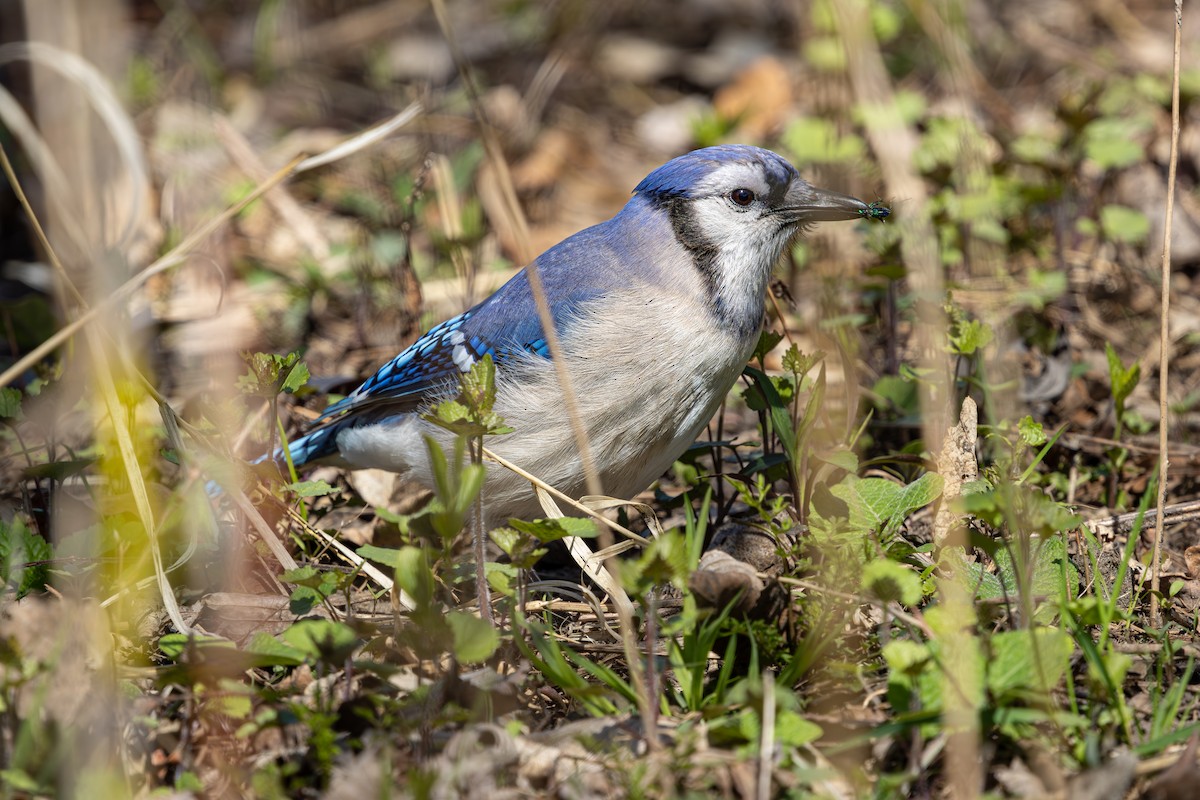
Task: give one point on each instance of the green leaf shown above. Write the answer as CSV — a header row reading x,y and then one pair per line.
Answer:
x,y
767,340
414,575
521,548
899,394
664,560
471,414
10,403
1124,224
306,575
799,363
843,458
780,412
945,138
173,645
505,578
322,639
1051,575
451,412
1032,433
312,587
388,556
230,702
879,505
268,374
1124,380
21,551
905,657
295,378
904,106
1050,561
440,466
826,53
479,385
311,488
816,140
1038,147
188,781
1025,660
891,582
470,485
270,652
1113,142
551,530
474,639
887,22
793,730
1108,673
783,389
59,470
1020,506
19,779
970,336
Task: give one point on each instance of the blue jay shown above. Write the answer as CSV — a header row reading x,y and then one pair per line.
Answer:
x,y
657,310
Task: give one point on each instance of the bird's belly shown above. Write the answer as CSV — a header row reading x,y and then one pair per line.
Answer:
x,y
639,419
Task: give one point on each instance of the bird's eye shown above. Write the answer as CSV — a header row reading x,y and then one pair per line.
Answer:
x,y
742,197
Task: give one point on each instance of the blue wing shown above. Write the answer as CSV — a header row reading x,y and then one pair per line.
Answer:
x,y
506,324
426,364
426,367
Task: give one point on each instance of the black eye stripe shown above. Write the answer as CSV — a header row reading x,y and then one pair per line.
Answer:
x,y
742,197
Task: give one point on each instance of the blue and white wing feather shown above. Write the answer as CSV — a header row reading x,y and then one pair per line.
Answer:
x,y
423,367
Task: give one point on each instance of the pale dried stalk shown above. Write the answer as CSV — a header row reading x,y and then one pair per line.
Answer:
x,y
496,158
1164,338
538,483
893,143
766,746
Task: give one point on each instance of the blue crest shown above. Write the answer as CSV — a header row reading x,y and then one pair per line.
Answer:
x,y
680,176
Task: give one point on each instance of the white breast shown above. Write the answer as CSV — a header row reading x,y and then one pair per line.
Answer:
x,y
648,378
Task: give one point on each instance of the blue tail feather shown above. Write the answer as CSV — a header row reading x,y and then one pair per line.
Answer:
x,y
317,444
313,446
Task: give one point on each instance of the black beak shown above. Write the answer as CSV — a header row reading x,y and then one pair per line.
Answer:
x,y
805,203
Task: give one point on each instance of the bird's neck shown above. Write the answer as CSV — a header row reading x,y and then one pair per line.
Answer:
x,y
734,273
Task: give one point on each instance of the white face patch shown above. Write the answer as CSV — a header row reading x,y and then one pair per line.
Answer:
x,y
748,241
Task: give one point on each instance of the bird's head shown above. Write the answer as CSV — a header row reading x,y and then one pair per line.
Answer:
x,y
735,208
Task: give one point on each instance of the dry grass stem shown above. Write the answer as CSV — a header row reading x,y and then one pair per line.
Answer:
x,y
1164,337
512,204
538,483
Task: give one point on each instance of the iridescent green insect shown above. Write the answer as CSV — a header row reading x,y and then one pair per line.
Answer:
x,y
876,210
